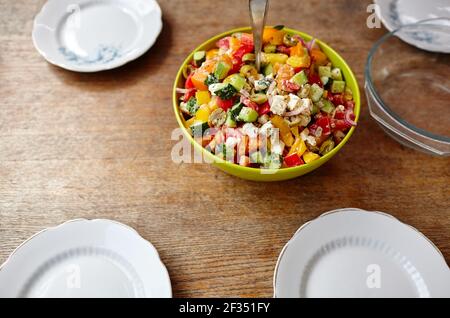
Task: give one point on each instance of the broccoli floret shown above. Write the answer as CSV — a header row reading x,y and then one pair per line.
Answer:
x,y
192,106
211,79
226,92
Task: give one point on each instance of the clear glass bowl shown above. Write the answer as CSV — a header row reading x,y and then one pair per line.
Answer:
x,y
408,89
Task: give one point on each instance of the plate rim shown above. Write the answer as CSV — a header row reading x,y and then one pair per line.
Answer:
x,y
303,226
393,28
99,67
58,227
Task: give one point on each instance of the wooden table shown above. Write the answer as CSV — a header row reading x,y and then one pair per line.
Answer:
x,y
98,146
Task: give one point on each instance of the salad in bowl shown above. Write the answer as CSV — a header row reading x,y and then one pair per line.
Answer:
x,y
299,108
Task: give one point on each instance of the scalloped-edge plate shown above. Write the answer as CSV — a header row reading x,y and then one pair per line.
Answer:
x,y
85,259
396,13
352,253
95,35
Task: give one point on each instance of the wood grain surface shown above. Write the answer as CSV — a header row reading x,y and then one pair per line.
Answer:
x,y
98,146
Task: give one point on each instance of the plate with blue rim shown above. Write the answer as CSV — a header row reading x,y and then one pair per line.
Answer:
x,y
96,35
397,13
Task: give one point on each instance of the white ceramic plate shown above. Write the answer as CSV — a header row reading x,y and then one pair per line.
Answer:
x,y
82,258
395,13
95,35
355,253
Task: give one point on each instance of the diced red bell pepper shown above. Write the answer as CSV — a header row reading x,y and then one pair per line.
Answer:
x,y
247,42
350,105
293,160
264,109
315,79
189,94
225,104
323,122
188,84
336,99
237,64
340,125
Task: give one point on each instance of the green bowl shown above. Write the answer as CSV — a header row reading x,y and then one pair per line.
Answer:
x,y
256,174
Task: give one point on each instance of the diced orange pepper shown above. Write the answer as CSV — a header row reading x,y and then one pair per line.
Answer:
x,y
198,79
235,44
209,66
273,36
319,57
285,131
298,50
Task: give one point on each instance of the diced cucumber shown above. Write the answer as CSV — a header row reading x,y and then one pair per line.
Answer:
x,y
236,80
336,74
198,129
327,106
338,87
316,93
270,48
325,71
324,80
248,115
235,110
315,109
230,122
199,58
300,78
259,98
223,90
268,69
221,70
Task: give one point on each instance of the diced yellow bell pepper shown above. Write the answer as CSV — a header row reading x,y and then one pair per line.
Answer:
x,y
299,61
274,58
285,131
310,157
273,36
295,132
213,104
203,113
203,97
299,147
212,54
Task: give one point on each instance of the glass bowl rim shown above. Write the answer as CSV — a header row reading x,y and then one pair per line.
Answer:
x,y
379,100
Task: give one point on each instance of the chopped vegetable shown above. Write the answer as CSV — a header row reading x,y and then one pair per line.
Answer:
x,y
248,115
199,58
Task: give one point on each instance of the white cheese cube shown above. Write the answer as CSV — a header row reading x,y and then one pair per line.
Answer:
x,y
278,105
